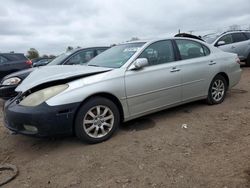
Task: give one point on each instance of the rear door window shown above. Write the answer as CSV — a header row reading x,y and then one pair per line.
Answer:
x,y
190,49
239,37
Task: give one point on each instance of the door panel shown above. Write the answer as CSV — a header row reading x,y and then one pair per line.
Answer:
x,y
241,45
195,68
153,87
241,49
228,48
195,73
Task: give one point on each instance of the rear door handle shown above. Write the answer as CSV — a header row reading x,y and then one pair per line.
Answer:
x,y
174,69
233,47
212,63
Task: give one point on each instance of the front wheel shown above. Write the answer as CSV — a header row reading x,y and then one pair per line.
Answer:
x,y
217,90
97,120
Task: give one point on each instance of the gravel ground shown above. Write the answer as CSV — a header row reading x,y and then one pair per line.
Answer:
x,y
211,150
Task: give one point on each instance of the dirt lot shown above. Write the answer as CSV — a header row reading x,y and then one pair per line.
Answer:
x,y
154,151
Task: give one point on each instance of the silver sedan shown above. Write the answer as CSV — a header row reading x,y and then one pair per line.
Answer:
x,y
125,82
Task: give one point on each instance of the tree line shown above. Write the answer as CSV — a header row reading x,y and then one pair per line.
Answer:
x,y
33,53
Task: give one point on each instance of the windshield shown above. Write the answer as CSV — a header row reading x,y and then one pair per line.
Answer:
x,y
58,60
116,56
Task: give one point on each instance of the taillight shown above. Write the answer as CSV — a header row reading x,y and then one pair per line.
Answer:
x,y
29,62
238,60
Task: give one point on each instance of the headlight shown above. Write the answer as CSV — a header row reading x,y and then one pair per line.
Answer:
x,y
11,81
43,95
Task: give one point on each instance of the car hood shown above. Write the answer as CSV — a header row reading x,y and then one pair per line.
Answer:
x,y
48,74
20,74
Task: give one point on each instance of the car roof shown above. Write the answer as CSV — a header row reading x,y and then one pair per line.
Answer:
x,y
235,31
88,48
14,56
218,34
159,39
135,41
11,54
92,47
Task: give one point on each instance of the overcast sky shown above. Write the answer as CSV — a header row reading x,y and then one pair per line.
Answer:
x,y
52,25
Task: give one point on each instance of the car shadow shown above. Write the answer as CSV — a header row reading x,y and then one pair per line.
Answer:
x,y
139,124
148,121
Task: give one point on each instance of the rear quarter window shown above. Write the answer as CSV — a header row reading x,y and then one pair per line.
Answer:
x,y
191,49
239,37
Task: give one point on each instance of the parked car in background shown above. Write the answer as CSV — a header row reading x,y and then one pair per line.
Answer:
x,y
232,41
12,62
73,57
41,61
125,82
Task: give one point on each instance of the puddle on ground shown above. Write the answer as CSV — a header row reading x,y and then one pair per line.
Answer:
x,y
138,124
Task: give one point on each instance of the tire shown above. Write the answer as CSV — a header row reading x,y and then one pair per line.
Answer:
x,y
248,61
97,120
217,90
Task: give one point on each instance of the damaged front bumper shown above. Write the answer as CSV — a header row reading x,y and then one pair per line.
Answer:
x,y
42,120
7,92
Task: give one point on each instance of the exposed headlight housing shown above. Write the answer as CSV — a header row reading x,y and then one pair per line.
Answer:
x,y
38,97
11,81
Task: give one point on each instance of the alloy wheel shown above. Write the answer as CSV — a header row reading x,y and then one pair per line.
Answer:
x,y
98,121
218,90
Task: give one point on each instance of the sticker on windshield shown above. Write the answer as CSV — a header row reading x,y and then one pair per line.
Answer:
x,y
134,49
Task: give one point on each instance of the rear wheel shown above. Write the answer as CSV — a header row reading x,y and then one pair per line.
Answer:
x,y
97,120
217,90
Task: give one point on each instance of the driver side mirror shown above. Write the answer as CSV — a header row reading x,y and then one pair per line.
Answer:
x,y
220,43
139,63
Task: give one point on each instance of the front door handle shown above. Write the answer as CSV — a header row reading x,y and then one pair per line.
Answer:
x,y
233,47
